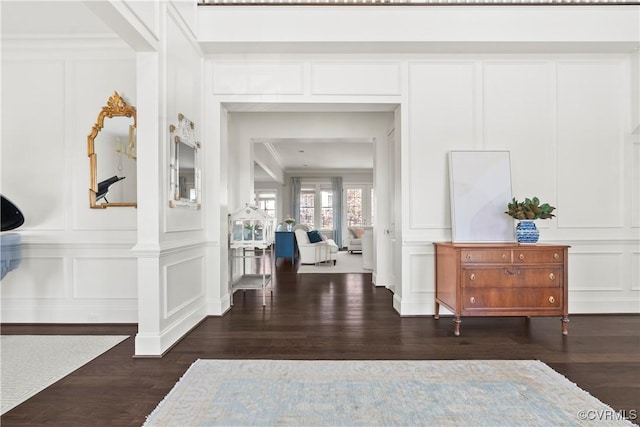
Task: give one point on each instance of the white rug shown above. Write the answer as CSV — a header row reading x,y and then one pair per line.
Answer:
x,y
346,263
31,363
442,393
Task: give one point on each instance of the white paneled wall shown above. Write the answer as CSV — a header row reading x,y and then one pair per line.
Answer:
x,y
442,109
340,78
77,265
230,78
592,102
28,166
184,81
518,115
564,118
173,263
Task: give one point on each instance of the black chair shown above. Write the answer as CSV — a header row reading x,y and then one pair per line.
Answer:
x,y
12,218
103,187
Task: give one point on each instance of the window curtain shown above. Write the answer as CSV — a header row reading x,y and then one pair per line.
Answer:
x,y
295,198
336,187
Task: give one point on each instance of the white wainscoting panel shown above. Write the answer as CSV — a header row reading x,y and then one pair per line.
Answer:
x,y
421,273
36,278
597,271
518,115
441,118
183,88
257,78
105,278
93,83
356,78
591,97
635,185
33,172
184,284
635,271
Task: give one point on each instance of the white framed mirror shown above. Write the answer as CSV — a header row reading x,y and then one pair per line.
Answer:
x,y
184,164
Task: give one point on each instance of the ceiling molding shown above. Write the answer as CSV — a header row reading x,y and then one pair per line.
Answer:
x,y
272,150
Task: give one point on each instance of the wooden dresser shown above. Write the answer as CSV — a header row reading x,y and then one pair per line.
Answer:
x,y
502,279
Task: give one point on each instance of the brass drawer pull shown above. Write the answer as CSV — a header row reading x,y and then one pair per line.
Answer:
x,y
556,255
552,276
472,300
504,256
552,299
521,256
468,256
472,276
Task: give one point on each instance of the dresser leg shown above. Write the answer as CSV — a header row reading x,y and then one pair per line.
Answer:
x,y
565,325
456,323
437,312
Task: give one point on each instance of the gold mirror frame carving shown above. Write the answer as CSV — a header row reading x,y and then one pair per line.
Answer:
x,y
116,107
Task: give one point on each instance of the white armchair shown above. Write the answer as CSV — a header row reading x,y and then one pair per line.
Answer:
x,y
355,237
314,253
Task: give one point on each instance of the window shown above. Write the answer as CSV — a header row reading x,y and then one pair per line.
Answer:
x,y
307,208
372,207
354,207
266,200
327,209
316,206
359,204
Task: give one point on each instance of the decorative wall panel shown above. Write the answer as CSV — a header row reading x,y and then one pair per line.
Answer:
x,y
441,118
591,99
93,83
635,185
105,278
34,160
184,80
635,271
362,78
518,115
36,277
422,273
184,283
596,271
257,78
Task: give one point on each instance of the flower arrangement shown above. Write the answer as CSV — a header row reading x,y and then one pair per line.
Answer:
x,y
529,209
290,221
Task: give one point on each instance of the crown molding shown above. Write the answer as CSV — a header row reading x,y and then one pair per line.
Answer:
x,y
58,41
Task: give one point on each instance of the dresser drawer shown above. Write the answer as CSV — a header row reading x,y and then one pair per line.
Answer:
x,y
538,256
512,299
512,276
494,256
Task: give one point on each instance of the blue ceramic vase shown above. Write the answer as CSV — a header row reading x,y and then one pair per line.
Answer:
x,y
527,232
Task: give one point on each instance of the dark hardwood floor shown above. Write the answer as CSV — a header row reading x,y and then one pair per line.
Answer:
x,y
318,316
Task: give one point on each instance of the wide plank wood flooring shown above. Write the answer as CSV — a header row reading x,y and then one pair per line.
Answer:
x,y
318,316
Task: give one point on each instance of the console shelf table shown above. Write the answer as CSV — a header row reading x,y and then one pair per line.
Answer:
x,y
286,245
502,279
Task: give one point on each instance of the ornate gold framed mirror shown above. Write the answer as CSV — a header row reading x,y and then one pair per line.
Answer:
x,y
112,156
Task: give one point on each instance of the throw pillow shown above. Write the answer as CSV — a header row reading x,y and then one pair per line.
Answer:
x,y
359,232
314,236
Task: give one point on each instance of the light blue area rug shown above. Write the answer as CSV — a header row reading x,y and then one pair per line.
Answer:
x,y
378,393
345,263
31,363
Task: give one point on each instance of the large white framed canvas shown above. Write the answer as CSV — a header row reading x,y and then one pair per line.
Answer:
x,y
480,189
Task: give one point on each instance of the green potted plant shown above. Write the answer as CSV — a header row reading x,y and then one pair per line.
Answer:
x,y
526,212
289,222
